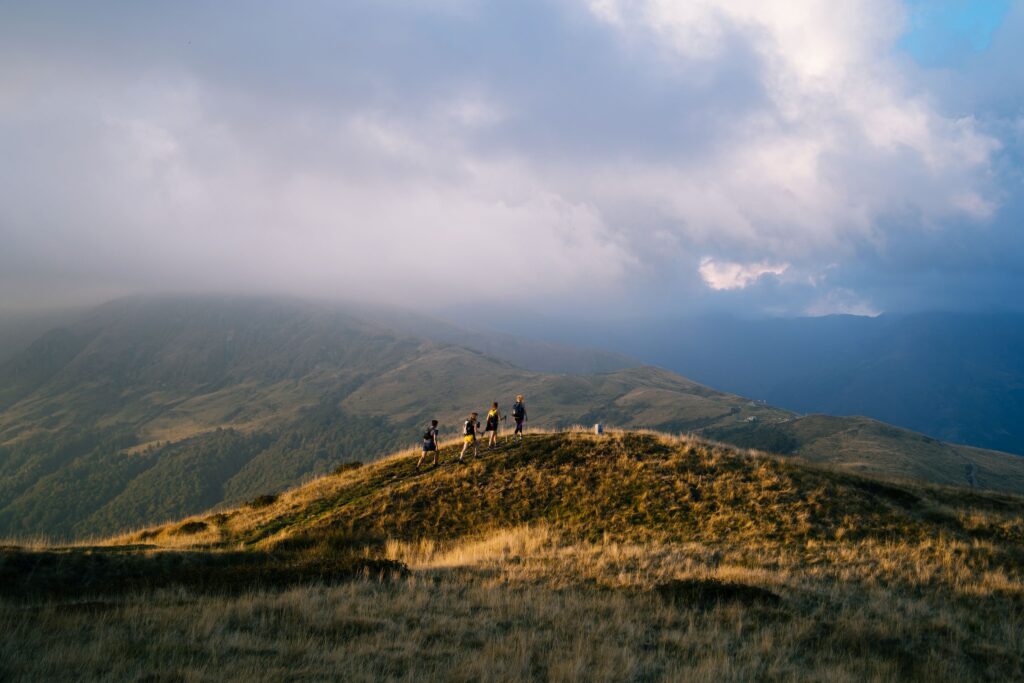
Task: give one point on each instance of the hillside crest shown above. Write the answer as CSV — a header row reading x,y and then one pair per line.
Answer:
x,y
640,485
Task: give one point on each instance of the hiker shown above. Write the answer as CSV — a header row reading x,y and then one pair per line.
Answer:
x,y
519,415
494,416
429,443
469,431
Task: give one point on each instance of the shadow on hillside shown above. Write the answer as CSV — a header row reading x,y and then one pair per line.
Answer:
x,y
80,572
710,592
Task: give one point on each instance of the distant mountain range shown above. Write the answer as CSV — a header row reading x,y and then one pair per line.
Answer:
x,y
148,409
953,376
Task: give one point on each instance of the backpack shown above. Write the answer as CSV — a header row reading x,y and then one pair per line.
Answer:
x,y
469,428
429,434
518,410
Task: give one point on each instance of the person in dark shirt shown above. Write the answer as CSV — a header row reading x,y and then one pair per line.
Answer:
x,y
519,415
429,443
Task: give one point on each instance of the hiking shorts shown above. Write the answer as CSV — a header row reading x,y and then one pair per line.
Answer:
x,y
491,427
429,446
519,425
469,438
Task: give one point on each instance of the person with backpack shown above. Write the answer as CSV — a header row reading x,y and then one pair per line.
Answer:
x,y
469,431
519,415
494,417
429,443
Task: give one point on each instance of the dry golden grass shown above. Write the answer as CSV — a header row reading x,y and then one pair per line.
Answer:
x,y
770,571
521,605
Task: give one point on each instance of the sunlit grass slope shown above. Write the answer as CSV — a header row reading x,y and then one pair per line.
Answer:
x,y
633,556
632,485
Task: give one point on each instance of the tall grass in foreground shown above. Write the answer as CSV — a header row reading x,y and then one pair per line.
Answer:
x,y
521,605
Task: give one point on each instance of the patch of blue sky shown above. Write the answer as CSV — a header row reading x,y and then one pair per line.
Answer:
x,y
944,33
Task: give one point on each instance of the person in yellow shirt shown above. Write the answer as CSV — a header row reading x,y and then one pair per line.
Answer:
x,y
469,431
494,418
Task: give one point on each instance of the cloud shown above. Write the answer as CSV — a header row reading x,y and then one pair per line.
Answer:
x,y
409,212
543,151
841,146
729,275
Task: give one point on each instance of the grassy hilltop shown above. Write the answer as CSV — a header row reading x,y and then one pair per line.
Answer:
x,y
633,556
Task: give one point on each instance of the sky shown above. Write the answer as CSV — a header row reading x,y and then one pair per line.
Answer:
x,y
572,157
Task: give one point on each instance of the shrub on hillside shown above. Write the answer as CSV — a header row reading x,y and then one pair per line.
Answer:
x,y
347,467
263,501
189,528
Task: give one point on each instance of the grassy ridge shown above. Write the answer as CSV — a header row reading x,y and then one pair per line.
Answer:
x,y
634,556
640,485
860,444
